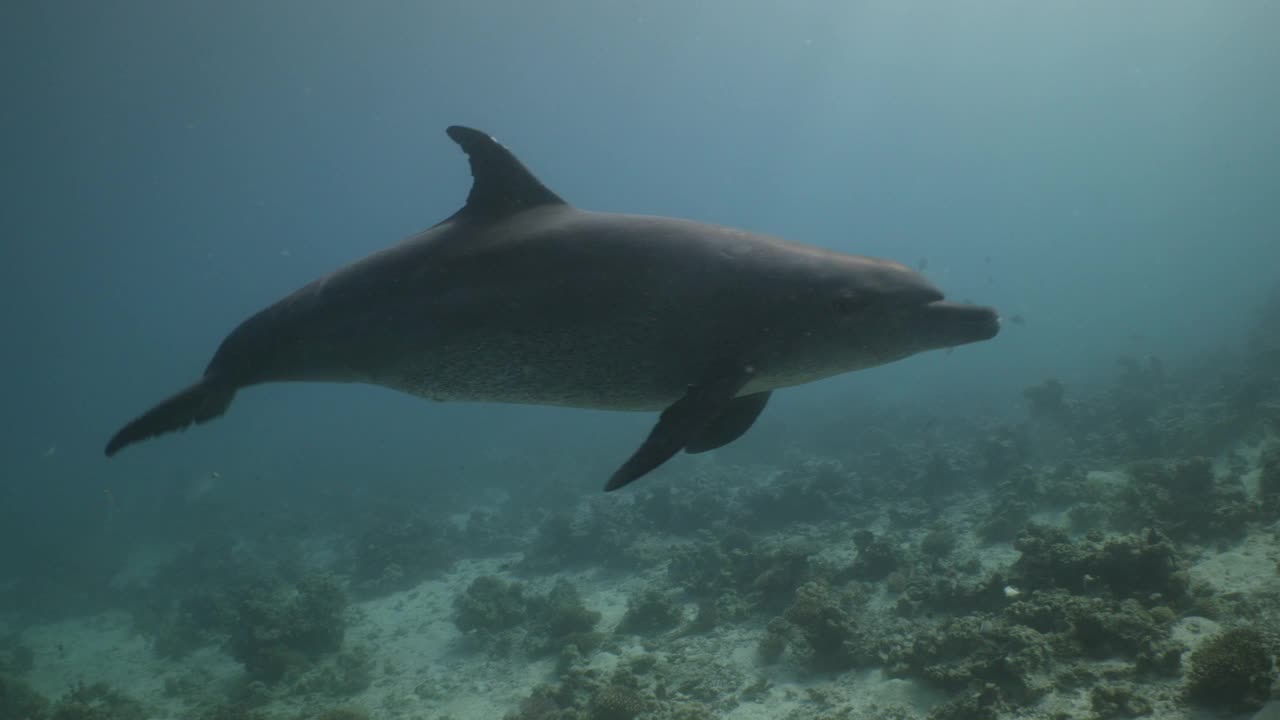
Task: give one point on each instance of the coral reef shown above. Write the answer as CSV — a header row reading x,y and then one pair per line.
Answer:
x,y
926,586
564,622
1118,700
811,491
191,601
762,573
233,711
1014,499
391,557
656,686
823,619
96,702
984,703
939,542
1184,500
877,556
282,628
19,701
16,658
343,713
650,612
1233,670
1047,401
1269,480
601,535
616,702
502,615
684,509
973,654
1093,627
347,673
1145,565
774,641
491,604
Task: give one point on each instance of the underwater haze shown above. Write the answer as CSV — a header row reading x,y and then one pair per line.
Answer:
x,y
1076,518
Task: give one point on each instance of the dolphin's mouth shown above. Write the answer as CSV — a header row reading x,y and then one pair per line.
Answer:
x,y
953,323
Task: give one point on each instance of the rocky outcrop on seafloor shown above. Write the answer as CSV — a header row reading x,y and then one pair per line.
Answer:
x,y
398,555
1233,670
504,617
650,686
1144,566
650,612
282,628
96,701
1185,499
829,625
738,569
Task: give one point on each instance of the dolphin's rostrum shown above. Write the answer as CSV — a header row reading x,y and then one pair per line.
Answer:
x,y
519,297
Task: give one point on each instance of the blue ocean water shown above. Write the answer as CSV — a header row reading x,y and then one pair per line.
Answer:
x,y
1104,174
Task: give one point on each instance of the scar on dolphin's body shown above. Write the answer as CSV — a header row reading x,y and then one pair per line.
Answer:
x,y
520,297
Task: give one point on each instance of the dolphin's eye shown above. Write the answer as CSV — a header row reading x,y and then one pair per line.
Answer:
x,y
848,305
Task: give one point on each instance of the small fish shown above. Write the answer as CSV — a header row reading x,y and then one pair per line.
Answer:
x,y
1017,319
922,264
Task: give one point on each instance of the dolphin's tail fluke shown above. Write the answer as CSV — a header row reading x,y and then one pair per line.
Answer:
x,y
199,403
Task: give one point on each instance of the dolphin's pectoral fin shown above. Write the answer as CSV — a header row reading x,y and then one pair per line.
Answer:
x,y
501,185
199,403
683,423
736,418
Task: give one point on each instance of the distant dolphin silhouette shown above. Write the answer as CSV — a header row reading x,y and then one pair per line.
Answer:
x,y
521,298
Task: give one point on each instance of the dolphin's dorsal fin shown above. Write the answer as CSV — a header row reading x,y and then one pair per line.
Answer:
x,y
501,185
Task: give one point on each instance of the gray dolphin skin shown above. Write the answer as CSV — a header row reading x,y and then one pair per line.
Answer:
x,y
521,298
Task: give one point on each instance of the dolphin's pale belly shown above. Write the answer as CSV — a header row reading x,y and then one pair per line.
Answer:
x,y
583,370
591,369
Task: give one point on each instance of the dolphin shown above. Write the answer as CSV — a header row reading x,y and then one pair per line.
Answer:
x,y
520,297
